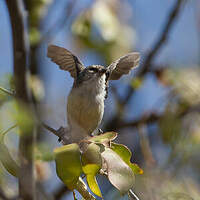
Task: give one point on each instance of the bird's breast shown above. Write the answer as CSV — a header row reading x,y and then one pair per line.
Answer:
x,y
85,109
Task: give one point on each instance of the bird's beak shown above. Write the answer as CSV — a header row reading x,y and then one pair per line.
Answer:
x,y
102,71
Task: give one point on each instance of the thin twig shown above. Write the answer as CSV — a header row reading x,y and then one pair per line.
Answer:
x,y
60,133
132,195
52,130
145,146
7,91
60,23
145,67
163,36
150,118
6,131
80,187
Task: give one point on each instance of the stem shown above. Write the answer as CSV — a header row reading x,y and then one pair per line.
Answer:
x,y
7,91
5,132
60,133
81,188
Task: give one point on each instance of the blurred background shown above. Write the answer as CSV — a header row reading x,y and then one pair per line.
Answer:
x,y
155,110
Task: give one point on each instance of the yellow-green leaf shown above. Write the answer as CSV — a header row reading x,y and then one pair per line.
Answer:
x,y
6,159
68,164
108,136
91,164
126,154
93,185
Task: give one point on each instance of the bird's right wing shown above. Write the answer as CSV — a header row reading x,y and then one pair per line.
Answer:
x,y
65,59
123,65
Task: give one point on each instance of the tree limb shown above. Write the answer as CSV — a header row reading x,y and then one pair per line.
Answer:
x,y
61,133
162,39
26,143
145,67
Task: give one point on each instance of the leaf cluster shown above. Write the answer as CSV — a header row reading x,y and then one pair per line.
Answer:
x,y
99,155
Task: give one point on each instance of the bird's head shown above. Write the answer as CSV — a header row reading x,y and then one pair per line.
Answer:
x,y
92,75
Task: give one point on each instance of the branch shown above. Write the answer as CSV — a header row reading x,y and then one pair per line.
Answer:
x,y
150,118
11,93
61,133
145,67
5,132
60,23
26,143
145,146
80,187
163,36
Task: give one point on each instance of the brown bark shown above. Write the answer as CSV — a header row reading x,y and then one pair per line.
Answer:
x,y
26,143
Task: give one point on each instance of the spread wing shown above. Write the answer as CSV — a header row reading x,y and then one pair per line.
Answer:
x,y
65,59
123,65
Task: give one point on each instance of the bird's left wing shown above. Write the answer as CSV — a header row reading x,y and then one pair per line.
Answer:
x,y
123,65
65,59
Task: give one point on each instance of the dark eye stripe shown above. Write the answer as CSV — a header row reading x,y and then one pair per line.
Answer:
x,y
94,69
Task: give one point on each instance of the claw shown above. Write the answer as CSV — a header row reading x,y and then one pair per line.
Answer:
x,y
98,131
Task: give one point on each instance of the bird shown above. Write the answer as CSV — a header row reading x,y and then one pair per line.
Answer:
x,y
85,102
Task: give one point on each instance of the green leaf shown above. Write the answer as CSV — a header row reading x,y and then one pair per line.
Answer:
x,y
91,164
6,159
125,155
68,164
106,137
119,173
93,185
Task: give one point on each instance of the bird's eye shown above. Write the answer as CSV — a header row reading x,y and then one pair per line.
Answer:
x,y
93,70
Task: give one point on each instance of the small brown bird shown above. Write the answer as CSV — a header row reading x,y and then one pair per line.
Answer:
x,y
85,105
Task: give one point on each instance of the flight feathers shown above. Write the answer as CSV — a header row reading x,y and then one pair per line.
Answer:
x,y
65,59
69,62
124,65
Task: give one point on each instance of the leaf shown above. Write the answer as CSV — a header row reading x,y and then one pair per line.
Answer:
x,y
125,155
6,159
119,173
68,164
103,138
91,164
93,185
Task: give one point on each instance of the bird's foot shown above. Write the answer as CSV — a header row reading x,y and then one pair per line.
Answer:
x,y
98,131
63,134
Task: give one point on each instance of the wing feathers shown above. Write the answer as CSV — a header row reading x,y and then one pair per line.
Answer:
x,y
65,59
124,65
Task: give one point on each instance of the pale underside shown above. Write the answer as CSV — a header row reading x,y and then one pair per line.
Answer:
x,y
85,108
